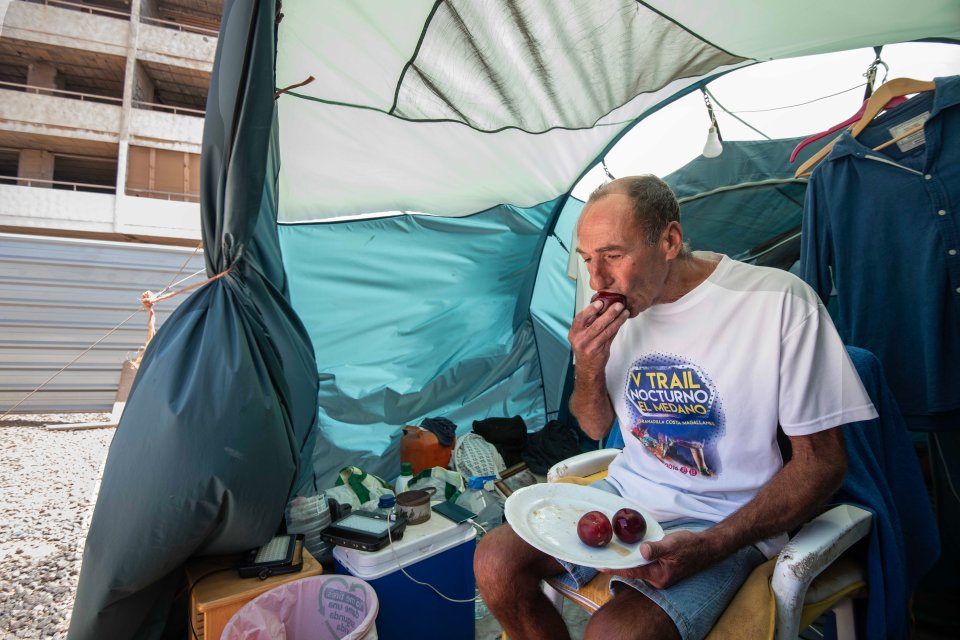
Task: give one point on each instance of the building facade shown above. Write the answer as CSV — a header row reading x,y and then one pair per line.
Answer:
x,y
101,123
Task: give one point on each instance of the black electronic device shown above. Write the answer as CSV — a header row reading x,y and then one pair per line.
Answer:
x,y
453,511
283,554
364,530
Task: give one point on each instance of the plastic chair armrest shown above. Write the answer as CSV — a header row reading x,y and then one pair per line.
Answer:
x,y
809,552
583,464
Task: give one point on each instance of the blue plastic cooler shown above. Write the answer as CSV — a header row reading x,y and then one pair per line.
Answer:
x,y
438,552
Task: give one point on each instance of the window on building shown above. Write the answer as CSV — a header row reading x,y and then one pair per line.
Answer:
x,y
164,174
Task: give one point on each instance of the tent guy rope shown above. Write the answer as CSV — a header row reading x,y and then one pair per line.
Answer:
x,y
148,299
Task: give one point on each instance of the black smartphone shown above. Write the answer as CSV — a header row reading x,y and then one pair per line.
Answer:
x,y
453,512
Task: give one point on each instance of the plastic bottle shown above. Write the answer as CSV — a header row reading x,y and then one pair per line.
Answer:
x,y
386,505
310,515
483,503
406,473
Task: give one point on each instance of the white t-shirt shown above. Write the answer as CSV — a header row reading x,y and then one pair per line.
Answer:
x,y
699,386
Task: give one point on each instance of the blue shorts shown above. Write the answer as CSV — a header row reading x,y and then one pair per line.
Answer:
x,y
696,602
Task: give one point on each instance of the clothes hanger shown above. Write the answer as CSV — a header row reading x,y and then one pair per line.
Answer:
x,y
896,102
877,102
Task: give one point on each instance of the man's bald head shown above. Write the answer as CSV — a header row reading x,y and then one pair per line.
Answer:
x,y
654,204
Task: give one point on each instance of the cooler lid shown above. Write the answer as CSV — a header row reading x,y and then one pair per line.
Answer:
x,y
419,542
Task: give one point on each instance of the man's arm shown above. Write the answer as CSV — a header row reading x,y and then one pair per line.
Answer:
x,y
590,337
591,405
814,473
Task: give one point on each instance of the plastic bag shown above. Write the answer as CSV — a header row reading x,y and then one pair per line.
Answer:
x,y
334,607
449,484
365,487
309,514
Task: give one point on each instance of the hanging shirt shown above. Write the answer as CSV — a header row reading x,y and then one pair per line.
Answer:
x,y
884,225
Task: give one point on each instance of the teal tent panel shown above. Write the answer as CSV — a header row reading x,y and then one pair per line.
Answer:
x,y
552,309
740,162
552,306
744,199
413,317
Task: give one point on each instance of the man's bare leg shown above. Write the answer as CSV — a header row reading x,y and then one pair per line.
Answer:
x,y
508,573
630,615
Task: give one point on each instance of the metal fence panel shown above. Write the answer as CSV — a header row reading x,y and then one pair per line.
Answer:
x,y
59,296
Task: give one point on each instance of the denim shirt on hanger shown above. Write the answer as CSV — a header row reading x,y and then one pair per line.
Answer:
x,y
881,227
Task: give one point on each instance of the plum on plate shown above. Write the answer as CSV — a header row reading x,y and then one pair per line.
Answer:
x,y
594,529
629,525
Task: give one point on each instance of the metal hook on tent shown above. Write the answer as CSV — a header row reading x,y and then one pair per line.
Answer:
x,y
603,163
871,73
710,113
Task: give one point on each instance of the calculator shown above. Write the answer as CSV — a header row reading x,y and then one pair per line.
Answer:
x,y
283,554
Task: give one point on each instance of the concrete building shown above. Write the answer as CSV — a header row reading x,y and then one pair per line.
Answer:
x,y
101,121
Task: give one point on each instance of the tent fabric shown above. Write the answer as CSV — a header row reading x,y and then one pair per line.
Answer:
x,y
449,318
553,82
457,130
485,82
738,201
209,442
466,68
770,30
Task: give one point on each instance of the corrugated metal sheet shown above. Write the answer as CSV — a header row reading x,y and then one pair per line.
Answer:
x,y
59,296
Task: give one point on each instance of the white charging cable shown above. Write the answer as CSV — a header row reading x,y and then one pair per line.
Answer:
x,y
392,517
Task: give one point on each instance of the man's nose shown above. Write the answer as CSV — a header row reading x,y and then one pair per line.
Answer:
x,y
599,278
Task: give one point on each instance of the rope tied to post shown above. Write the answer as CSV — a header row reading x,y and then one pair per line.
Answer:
x,y
148,299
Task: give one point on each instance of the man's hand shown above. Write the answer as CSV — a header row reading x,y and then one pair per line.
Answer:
x,y
590,336
674,557
592,332
814,473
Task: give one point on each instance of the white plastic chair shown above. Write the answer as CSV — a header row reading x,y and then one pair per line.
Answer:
x,y
809,578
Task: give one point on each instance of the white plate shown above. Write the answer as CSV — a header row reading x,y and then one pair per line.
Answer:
x,y
546,514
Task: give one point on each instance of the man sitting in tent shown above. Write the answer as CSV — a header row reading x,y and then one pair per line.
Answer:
x,y
706,350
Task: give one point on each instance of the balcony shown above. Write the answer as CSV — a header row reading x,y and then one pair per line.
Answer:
x,y
53,24
39,110
44,24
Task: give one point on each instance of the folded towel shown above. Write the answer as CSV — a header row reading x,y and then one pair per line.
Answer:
x,y
752,612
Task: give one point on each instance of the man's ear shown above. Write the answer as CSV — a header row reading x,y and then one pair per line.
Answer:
x,y
672,240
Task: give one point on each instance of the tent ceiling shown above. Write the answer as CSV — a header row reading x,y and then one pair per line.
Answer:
x,y
771,30
451,108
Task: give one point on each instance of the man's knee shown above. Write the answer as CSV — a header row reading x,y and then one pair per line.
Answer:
x,y
490,559
504,562
630,614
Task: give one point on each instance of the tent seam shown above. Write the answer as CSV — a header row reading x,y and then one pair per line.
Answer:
x,y
416,52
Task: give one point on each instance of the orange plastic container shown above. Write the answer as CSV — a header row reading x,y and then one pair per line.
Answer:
x,y
422,450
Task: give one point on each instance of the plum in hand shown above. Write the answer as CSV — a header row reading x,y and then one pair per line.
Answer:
x,y
594,529
629,525
607,298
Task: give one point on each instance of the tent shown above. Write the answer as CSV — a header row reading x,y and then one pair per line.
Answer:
x,y
388,241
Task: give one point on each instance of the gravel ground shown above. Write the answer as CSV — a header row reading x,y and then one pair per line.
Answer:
x,y
48,481
48,484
